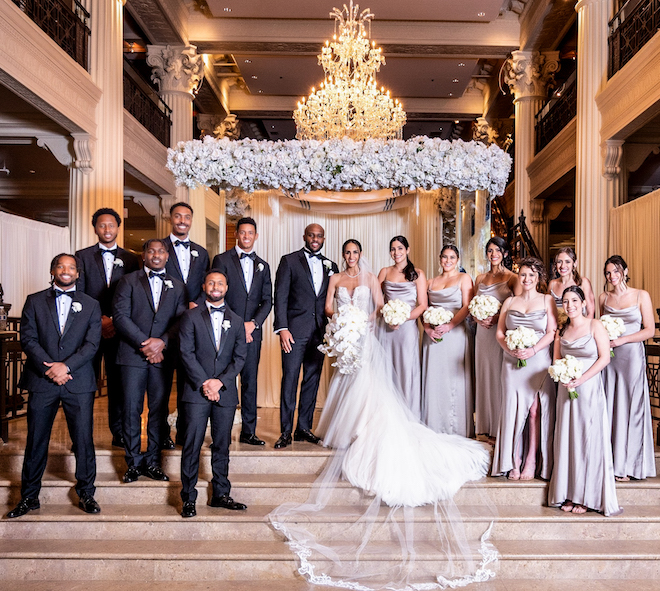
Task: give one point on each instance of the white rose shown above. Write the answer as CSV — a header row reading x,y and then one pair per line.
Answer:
x,y
226,325
168,284
260,267
118,262
76,307
194,253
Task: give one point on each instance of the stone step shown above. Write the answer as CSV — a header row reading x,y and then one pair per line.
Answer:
x,y
269,489
170,560
163,522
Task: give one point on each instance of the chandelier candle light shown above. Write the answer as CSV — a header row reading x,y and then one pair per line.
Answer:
x,y
349,102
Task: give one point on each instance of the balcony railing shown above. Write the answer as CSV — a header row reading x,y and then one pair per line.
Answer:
x,y
65,21
144,104
556,113
630,29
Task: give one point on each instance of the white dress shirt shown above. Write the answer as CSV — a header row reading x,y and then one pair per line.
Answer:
x,y
156,284
183,256
247,265
216,322
63,304
316,267
108,261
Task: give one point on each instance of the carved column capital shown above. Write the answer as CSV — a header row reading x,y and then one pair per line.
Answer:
x,y
612,160
483,132
83,151
530,73
176,68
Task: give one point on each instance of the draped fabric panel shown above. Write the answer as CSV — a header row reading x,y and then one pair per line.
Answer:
x,y
26,249
281,231
635,235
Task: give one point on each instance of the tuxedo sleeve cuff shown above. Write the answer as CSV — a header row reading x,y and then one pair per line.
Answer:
x,y
279,330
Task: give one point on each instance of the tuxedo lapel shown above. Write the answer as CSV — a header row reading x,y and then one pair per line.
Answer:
x,y
326,277
116,267
223,335
98,258
239,268
52,306
308,271
206,321
72,314
175,259
144,281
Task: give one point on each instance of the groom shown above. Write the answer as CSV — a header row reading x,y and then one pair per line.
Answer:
x,y
301,284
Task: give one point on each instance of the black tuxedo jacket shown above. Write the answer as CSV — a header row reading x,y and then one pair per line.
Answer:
x,y
199,265
297,307
92,275
76,346
255,304
201,360
136,320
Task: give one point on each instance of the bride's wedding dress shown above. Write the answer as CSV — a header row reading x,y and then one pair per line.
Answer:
x,y
383,450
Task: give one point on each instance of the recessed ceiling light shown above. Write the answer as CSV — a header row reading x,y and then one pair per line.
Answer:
x,y
461,64
254,77
478,13
130,234
272,127
439,128
451,94
248,61
260,91
455,80
33,171
227,9
142,239
456,121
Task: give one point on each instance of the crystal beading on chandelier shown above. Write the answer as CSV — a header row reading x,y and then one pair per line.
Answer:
x,y
349,102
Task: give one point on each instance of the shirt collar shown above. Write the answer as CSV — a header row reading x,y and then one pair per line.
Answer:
x,y
174,238
241,251
108,247
209,305
147,270
71,289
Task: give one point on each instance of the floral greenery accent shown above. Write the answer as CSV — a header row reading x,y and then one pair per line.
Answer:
x,y
337,165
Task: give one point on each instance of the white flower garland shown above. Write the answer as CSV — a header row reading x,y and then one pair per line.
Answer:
x,y
343,164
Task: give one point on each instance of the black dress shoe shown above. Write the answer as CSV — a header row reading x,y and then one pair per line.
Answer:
x,y
132,474
168,443
226,502
305,435
23,507
189,509
88,504
283,441
155,473
251,439
118,442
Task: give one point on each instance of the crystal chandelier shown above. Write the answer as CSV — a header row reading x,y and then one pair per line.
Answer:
x,y
348,102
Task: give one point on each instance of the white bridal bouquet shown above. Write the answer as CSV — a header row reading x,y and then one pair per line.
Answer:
x,y
343,338
395,312
437,315
566,369
521,338
614,327
484,306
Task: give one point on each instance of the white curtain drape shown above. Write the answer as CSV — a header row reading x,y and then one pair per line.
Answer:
x,y
635,235
281,232
26,249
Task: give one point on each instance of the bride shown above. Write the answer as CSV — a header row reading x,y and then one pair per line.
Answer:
x,y
385,452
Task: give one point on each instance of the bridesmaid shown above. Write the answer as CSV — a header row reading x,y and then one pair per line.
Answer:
x,y
528,394
401,343
567,274
626,385
583,475
447,396
500,282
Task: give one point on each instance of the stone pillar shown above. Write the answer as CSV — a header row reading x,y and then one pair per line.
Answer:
x,y
591,201
100,183
528,74
178,70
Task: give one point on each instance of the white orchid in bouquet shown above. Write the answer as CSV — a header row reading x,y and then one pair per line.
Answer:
x,y
396,312
343,338
614,326
565,370
437,315
484,306
520,338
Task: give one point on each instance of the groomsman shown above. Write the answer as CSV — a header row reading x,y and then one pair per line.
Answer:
x,y
251,298
146,310
103,265
60,334
301,284
213,350
188,262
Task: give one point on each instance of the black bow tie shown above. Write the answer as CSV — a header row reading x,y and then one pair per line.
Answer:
x,y
311,254
112,251
184,243
160,275
216,309
248,255
59,292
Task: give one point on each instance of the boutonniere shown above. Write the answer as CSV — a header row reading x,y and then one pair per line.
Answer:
x,y
118,262
226,325
260,267
328,265
194,253
168,284
76,306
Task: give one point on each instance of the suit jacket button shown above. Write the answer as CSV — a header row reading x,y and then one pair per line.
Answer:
x,y
61,348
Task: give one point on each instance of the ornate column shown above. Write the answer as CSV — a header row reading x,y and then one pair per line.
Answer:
x,y
591,201
613,172
100,183
528,74
178,70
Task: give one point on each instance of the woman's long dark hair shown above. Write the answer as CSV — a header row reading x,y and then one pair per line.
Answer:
x,y
571,253
580,293
538,267
409,271
500,243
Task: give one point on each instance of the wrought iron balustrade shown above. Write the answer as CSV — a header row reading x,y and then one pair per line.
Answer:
x,y
556,113
65,21
630,29
13,401
521,242
150,111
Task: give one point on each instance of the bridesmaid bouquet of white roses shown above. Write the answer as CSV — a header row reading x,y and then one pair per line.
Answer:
x,y
566,369
437,315
614,327
484,306
395,312
521,338
343,338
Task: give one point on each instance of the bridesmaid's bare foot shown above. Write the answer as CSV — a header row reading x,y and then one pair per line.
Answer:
x,y
622,478
528,473
579,509
567,506
514,474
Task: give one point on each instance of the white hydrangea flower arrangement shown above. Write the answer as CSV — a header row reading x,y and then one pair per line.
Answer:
x,y
614,326
437,315
396,312
484,306
522,337
566,369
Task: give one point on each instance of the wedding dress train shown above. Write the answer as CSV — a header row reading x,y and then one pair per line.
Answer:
x,y
417,539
